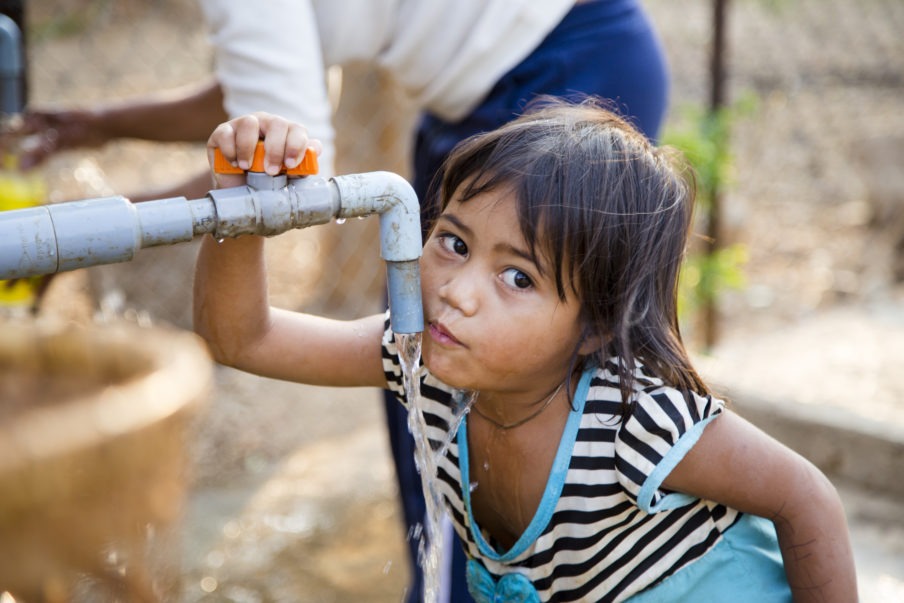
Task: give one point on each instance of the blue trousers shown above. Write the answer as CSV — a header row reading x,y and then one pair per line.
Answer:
x,y
602,48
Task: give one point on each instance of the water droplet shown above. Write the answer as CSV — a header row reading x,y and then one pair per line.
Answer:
x,y
209,584
414,532
220,240
340,220
486,465
472,486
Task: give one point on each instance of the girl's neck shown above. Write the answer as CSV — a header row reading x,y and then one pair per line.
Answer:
x,y
507,416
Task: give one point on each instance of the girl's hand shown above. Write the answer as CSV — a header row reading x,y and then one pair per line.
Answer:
x,y
284,144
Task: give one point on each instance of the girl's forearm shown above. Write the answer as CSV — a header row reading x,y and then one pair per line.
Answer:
x,y
816,548
231,309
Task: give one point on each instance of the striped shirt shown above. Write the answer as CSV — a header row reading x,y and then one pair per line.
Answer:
x,y
605,528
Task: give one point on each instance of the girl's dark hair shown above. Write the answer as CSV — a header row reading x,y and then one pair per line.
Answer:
x,y
609,211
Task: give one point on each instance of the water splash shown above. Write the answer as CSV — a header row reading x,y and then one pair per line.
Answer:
x,y
430,545
462,401
426,458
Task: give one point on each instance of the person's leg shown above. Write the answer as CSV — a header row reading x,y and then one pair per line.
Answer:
x,y
414,509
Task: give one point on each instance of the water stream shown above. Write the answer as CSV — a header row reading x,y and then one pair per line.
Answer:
x,y
431,544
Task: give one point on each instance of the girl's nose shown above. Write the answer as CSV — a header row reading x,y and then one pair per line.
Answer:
x,y
461,291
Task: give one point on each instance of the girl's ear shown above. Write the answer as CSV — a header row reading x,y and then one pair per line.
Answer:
x,y
591,343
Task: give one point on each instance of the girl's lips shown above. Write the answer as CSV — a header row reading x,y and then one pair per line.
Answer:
x,y
441,335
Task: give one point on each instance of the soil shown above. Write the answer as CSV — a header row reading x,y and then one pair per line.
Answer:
x,y
292,496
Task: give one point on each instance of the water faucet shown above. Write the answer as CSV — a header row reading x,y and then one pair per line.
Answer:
x,y
77,234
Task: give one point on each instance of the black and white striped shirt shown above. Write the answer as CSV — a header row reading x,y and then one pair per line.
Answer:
x,y
605,529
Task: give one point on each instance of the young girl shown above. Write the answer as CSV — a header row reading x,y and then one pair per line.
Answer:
x,y
595,464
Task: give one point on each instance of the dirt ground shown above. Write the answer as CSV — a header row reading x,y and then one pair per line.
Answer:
x,y
292,496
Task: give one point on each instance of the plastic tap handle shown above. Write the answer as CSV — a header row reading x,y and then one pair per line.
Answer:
x,y
306,167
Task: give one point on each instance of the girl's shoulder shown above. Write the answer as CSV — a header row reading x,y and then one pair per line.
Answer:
x,y
653,402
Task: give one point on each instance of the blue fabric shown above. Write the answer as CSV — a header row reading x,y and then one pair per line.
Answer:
x,y
744,567
606,48
511,588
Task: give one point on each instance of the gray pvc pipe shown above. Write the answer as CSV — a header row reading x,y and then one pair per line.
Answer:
x,y
66,236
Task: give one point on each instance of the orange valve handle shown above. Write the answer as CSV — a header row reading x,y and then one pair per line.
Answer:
x,y
306,167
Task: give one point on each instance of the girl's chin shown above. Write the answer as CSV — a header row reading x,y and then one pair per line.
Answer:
x,y
445,373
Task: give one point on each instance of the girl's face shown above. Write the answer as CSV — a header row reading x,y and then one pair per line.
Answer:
x,y
495,322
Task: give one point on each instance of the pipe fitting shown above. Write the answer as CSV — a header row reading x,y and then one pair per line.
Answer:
x,y
270,205
393,198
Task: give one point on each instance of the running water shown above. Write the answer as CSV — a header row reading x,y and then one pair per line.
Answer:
x,y
425,457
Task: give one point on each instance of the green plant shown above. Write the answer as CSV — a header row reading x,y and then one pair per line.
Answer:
x,y
704,276
710,268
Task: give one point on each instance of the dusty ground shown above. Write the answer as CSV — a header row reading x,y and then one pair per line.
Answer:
x,y
293,498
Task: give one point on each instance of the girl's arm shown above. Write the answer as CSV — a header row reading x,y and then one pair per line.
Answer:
x,y
738,465
231,308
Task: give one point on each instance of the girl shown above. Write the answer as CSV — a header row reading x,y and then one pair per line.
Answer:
x,y
596,465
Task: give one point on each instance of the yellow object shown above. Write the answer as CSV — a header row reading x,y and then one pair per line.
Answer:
x,y
19,190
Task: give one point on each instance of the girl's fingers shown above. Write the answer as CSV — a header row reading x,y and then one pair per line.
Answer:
x,y
248,130
285,142
297,142
275,132
223,138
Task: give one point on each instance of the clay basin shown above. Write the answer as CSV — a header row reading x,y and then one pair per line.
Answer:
x,y
92,454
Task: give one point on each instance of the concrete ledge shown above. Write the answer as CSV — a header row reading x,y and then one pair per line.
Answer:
x,y
845,446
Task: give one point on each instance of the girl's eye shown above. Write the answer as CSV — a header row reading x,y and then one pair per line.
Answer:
x,y
452,243
517,279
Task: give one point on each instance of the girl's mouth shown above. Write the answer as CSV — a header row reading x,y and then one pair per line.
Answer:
x,y
442,336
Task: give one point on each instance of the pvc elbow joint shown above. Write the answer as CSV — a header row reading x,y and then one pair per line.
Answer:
x,y
392,197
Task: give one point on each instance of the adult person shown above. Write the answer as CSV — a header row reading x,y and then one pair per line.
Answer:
x,y
470,65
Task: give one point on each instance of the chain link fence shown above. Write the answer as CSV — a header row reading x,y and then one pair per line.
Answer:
x,y
816,196
817,190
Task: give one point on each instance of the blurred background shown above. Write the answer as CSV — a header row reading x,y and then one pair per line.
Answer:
x,y
801,150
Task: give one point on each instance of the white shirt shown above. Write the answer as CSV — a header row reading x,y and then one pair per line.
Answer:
x,y
272,55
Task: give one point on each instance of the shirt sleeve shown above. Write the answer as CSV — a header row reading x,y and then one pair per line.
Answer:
x,y
664,425
392,368
268,58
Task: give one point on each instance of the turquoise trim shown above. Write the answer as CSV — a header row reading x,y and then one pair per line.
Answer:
x,y
553,486
664,468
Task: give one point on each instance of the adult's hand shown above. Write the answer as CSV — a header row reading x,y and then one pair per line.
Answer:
x,y
41,133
